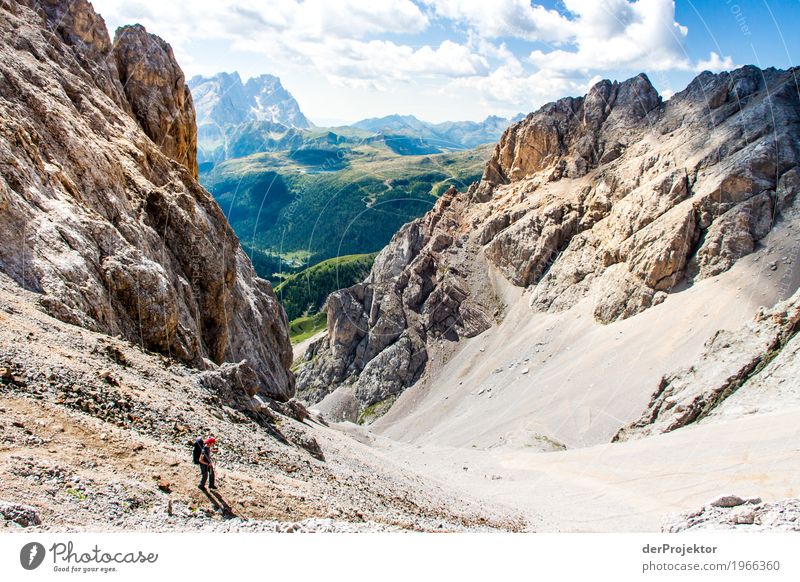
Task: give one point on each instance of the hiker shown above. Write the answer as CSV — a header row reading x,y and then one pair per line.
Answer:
x,y
206,463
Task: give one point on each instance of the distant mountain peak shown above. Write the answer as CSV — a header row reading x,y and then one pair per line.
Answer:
x,y
224,104
447,135
223,100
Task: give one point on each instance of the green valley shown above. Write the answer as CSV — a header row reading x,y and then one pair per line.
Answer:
x,y
305,292
338,194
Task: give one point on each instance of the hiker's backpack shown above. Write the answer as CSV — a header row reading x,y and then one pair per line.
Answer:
x,y
197,450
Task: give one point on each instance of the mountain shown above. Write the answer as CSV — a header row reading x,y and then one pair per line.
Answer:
x,y
224,104
224,100
102,213
592,212
132,321
448,135
618,288
393,124
238,119
275,178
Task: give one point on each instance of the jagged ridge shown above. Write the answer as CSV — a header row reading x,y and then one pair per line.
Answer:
x,y
615,198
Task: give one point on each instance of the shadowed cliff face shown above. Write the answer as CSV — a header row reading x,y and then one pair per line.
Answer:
x,y
615,198
99,206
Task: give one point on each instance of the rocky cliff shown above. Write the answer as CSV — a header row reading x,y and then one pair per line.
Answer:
x,y
616,198
99,207
155,87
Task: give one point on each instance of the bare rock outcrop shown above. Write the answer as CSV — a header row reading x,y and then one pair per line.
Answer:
x,y
78,25
733,363
615,198
751,514
156,89
573,135
376,345
19,514
99,206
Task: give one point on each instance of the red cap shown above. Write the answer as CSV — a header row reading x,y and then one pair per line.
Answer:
x,y
210,441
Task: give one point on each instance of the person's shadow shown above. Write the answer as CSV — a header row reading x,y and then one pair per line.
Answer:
x,y
220,504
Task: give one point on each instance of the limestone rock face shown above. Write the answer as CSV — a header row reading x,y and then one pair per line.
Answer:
x,y
614,198
99,208
376,345
572,135
77,25
733,364
156,89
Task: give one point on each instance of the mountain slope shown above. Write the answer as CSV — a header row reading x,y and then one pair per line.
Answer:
x,y
95,433
740,371
225,104
99,204
162,332
615,201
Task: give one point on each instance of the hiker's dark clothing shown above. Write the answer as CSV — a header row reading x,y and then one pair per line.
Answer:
x,y
206,470
207,473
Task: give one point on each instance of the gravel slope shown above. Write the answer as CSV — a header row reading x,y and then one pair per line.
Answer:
x,y
94,435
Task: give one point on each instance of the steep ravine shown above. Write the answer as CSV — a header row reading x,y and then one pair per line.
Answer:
x,y
132,322
537,312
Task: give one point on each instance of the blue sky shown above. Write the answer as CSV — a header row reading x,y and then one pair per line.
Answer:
x,y
462,59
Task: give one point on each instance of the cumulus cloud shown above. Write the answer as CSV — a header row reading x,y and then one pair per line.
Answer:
x,y
594,36
254,19
715,63
382,60
335,37
375,43
505,85
618,34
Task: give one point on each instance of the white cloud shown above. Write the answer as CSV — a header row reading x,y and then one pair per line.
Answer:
x,y
355,18
384,60
501,18
715,63
617,34
331,36
365,43
600,36
510,88
253,19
